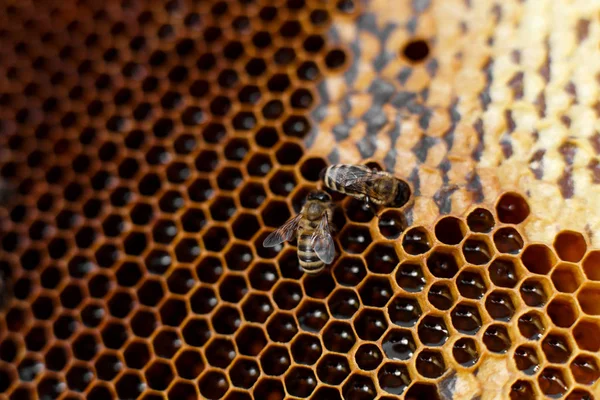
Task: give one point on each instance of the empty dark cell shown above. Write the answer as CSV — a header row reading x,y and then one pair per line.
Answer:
x,y
339,337
250,341
171,202
289,154
188,249
430,364
442,265
308,71
287,295
256,67
262,40
149,185
141,214
244,121
306,349
244,373
199,88
171,100
233,50
85,237
404,311
178,172
296,126
9,349
259,165
185,144
465,352
128,168
275,360
101,180
480,220
503,273
394,378
335,59
416,51
300,381
290,29
476,251
471,285
359,387
257,309
50,277
220,106
226,320
275,214
50,388
466,318
233,289
98,286
22,288
73,192
206,62
209,269
282,328
497,339
416,241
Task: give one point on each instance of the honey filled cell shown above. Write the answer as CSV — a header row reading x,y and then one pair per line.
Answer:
x,y
149,148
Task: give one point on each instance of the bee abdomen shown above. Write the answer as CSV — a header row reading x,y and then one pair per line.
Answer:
x,y
308,259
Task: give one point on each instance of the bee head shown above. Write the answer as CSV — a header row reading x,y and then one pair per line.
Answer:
x,y
403,194
319,195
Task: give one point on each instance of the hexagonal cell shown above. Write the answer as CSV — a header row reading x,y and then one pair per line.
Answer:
x,y
556,347
63,327
368,357
504,272
263,276
29,368
289,265
432,330
404,311
267,388
244,373
343,304
200,190
300,381
465,318
563,311
476,250
533,292
143,323
150,293
137,355
266,137
275,214
442,263
349,271
480,220
129,274
257,308
275,360
359,387
282,327
471,284
182,390
339,337
180,281
193,220
465,352
326,393
141,214
86,346
236,149
410,277
382,259
164,231
159,375
158,262
233,288
585,369
579,394
553,383
92,315
522,390
399,344
391,224
220,353
226,320
173,312
282,183
440,296
312,316
370,324
120,304
508,240
587,335
355,239
287,295
229,178
531,325
209,269
298,126
108,367
306,349
215,239
43,308
376,292
526,359
591,265
358,211
196,332
318,286
589,299
499,305
416,241
430,364
538,258
56,358
512,208
394,378
497,339
189,364
450,230
213,385
570,246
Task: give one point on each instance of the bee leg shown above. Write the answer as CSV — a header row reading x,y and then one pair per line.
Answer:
x,y
370,206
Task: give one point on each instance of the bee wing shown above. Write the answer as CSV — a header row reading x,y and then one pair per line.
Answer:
x,y
322,242
283,233
354,178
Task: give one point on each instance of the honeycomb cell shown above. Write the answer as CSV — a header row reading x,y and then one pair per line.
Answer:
x,y
591,265
282,327
164,231
556,348
63,327
339,337
233,288
159,375
579,394
471,284
538,259
512,208
480,220
570,246
450,230
394,378
349,271
500,305
399,344
213,385
566,278
220,353
56,358
173,312
508,240
43,308
200,190
370,324
92,315
275,214
244,373
476,250
129,274
359,387
215,239
430,364
276,360
312,316
562,311
226,320
79,378
465,352
129,385
532,325
189,364
196,332
442,263
263,276
466,318
289,153
35,340
300,381
416,241
166,343
257,308
391,224
376,292
497,339
382,259
358,211
289,265
108,367
268,388
29,369
355,239
432,331
410,277
526,359
585,369
150,293
50,387
589,299
182,390
282,183
533,292
522,390
440,296
193,220
368,357
319,286
120,304
553,383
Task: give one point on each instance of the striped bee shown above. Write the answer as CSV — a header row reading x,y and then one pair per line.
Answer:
x,y
373,187
312,227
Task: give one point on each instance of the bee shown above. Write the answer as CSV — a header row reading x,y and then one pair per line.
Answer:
x,y
312,226
369,185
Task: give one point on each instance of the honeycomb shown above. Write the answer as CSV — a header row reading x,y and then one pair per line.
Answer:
x,y
152,146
